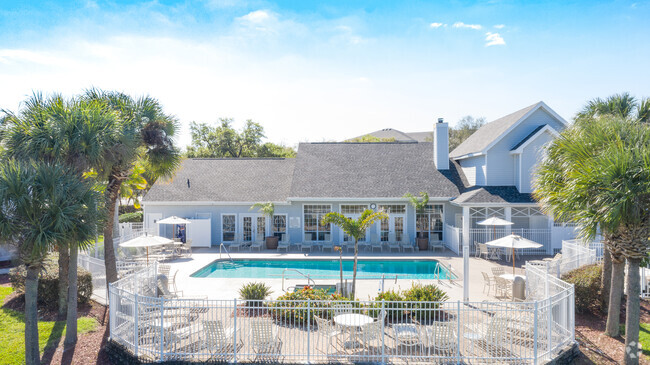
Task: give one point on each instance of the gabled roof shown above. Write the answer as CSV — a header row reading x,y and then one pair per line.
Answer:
x,y
399,136
421,136
370,170
227,180
518,148
494,195
489,134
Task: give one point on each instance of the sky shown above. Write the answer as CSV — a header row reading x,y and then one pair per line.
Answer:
x,y
328,70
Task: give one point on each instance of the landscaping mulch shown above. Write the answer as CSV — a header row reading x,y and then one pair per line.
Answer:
x,y
598,348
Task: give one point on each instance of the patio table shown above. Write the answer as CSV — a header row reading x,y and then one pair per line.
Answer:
x,y
352,321
511,277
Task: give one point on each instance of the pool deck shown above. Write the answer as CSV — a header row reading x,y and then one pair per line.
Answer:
x,y
228,289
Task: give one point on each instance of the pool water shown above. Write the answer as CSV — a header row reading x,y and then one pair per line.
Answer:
x,y
324,269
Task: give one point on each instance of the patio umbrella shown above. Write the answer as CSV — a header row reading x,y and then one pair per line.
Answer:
x,y
146,241
494,222
174,220
513,241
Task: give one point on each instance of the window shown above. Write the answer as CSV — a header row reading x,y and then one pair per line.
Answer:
x,y
228,227
314,229
279,225
429,223
393,209
353,209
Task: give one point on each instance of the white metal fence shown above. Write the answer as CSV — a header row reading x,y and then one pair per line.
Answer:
x,y
541,236
316,331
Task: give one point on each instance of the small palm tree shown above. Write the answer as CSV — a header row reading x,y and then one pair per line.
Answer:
x,y
355,228
268,209
43,205
419,204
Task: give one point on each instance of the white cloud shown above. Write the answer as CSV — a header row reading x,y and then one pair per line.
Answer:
x,y
437,25
494,39
256,17
499,26
467,26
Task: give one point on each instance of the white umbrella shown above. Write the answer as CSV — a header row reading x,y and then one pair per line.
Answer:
x,y
513,241
174,220
494,222
146,241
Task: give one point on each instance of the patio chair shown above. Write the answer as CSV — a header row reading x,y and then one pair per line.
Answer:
x,y
498,271
327,330
264,340
477,249
186,248
393,244
306,246
283,246
406,334
503,286
256,245
327,245
487,282
375,242
163,269
440,338
347,246
218,341
163,289
371,332
341,309
436,245
406,244
491,336
483,251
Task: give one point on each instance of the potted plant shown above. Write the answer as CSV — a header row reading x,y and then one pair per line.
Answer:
x,y
420,204
268,209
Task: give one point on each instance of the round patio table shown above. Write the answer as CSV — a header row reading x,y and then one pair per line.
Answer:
x,y
352,321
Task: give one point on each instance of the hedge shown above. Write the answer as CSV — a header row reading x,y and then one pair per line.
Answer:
x,y
48,283
586,281
131,217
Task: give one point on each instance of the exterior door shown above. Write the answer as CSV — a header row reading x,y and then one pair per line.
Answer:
x,y
345,236
253,227
392,228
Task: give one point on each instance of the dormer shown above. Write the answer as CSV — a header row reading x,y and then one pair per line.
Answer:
x,y
505,152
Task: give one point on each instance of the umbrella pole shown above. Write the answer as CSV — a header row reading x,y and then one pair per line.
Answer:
x,y
147,255
513,260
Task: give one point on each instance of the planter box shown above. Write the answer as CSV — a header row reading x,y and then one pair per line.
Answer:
x,y
423,244
272,242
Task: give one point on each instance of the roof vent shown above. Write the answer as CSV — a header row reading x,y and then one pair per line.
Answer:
x,y
441,120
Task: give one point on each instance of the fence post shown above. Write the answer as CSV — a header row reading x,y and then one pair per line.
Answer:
x,y
111,312
162,333
308,329
136,339
383,321
535,332
458,331
550,326
234,337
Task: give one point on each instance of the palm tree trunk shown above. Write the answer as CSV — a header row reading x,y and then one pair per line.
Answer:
x,y
616,292
112,193
71,323
64,260
606,278
354,268
32,356
632,312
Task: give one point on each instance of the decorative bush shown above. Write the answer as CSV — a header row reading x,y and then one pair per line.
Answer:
x,y
291,308
424,299
48,283
586,281
131,217
393,305
254,293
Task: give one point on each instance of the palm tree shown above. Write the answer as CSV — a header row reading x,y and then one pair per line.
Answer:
x,y
42,205
599,177
419,204
72,132
622,106
355,228
144,133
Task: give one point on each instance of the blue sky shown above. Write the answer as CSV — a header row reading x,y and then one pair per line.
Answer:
x,y
314,71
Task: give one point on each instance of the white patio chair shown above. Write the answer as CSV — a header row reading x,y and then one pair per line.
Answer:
x,y
306,246
492,336
406,244
436,245
163,269
283,246
406,334
327,246
483,251
186,248
257,244
371,332
264,340
343,308
498,271
487,282
365,245
375,242
218,341
392,243
327,330
440,337
503,286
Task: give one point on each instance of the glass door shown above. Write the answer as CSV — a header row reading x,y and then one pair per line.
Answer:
x,y
392,228
260,228
247,228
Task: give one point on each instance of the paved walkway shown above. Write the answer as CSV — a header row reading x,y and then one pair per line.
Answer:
x,y
219,288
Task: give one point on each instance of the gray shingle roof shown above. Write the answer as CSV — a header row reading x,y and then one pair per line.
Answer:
x,y
489,132
370,170
528,137
237,180
494,194
421,136
399,136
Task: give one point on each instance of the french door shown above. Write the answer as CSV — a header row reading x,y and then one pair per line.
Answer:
x,y
253,227
392,228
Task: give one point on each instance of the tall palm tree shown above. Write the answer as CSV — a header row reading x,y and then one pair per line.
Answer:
x,y
72,132
355,228
41,205
622,105
145,134
599,177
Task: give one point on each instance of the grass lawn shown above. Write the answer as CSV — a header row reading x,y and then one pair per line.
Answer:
x,y
12,332
644,337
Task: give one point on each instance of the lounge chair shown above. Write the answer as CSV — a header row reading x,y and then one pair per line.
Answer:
x,y
364,245
393,244
257,244
264,340
375,242
406,243
406,334
436,245
283,246
440,337
327,330
492,336
163,269
306,246
219,341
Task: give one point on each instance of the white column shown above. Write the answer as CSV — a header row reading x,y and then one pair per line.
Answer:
x,y
508,212
466,239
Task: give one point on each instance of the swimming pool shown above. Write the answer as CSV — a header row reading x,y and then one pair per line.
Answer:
x,y
324,269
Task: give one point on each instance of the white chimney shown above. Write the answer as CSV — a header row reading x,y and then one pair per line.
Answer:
x,y
441,145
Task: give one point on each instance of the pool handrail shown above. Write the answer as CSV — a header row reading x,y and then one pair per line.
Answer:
x,y
227,253
309,279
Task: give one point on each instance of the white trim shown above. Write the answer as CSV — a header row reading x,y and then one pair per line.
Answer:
x,y
365,200
546,128
468,155
221,227
354,216
205,202
540,105
302,216
478,205
286,224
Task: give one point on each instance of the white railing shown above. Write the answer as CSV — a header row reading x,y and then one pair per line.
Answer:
x,y
541,236
453,238
323,331
98,272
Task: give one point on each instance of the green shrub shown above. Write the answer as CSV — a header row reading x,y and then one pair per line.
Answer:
x,y
131,217
586,281
48,283
394,305
423,300
291,308
254,293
